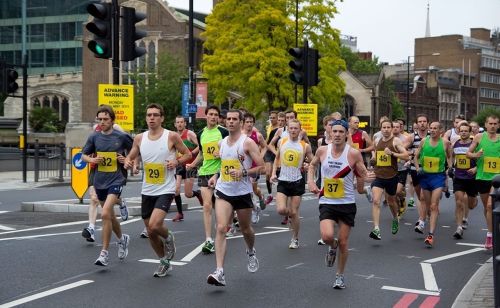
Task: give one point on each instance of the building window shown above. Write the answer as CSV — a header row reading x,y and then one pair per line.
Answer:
x,y
68,57
151,55
490,78
65,110
68,32
53,57
489,93
52,32
36,33
37,58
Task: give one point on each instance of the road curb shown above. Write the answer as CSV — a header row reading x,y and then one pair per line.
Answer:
x,y
466,297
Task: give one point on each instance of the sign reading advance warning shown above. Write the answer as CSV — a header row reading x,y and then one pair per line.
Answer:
x,y
307,114
121,99
79,173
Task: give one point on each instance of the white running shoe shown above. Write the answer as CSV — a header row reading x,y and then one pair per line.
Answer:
x,y
368,192
256,214
294,243
89,234
253,262
163,269
103,259
123,210
169,246
123,246
217,278
144,233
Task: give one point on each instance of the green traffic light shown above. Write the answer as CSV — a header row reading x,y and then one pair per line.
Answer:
x,y
99,50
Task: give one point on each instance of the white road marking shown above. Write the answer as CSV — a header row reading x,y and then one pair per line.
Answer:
x,y
295,265
158,261
445,226
37,236
129,221
277,228
471,244
453,255
368,277
6,228
429,279
408,224
3,212
410,290
48,227
45,293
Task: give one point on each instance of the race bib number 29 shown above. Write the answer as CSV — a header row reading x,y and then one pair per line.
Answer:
x,y
154,173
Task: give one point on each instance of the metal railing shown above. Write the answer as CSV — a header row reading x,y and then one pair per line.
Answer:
x,y
50,162
496,239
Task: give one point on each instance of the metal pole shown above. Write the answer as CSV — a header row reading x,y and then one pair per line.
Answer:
x,y
37,160
296,39
306,71
61,162
116,41
192,81
25,93
496,239
408,96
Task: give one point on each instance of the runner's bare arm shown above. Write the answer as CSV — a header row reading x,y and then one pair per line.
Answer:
x,y
134,152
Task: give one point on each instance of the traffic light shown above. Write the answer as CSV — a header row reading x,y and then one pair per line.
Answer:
x,y
11,85
313,67
101,27
298,64
130,34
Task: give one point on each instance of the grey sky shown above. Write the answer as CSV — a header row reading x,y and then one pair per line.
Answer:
x,y
388,27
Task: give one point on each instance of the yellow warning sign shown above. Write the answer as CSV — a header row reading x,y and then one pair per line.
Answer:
x,y
121,98
79,173
307,114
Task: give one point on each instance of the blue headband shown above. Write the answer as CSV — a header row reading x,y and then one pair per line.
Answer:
x,y
340,122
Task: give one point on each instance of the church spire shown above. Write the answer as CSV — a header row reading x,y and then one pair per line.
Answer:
x,y
428,23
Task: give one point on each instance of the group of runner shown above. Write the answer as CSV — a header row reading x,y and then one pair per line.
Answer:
x,y
229,155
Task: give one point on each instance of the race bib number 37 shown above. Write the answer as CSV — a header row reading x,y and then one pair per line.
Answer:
x,y
154,173
209,149
333,188
108,163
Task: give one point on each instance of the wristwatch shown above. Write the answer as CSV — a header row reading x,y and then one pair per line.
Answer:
x,y
244,173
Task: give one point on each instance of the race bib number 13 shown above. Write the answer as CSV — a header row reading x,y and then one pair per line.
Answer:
x,y
333,188
491,164
108,163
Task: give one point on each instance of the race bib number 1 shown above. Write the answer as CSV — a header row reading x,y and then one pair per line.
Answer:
x,y
108,163
226,166
431,164
209,149
491,164
333,188
155,173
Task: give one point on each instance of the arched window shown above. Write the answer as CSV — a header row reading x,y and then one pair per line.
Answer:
x,y
46,101
65,110
151,55
348,103
36,103
55,104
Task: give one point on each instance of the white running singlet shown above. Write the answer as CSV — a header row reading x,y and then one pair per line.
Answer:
x,y
337,178
291,159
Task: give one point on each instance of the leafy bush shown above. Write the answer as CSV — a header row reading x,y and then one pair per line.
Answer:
x,y
45,120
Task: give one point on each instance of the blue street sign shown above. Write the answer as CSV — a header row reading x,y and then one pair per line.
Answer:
x,y
78,161
185,99
192,108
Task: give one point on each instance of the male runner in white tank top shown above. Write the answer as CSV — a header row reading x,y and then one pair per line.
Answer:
x,y
340,163
233,192
158,148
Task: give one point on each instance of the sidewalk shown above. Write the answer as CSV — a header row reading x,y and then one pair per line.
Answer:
x,y
477,293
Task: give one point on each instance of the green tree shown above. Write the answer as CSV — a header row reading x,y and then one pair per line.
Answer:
x,y
247,43
357,65
480,118
45,120
162,85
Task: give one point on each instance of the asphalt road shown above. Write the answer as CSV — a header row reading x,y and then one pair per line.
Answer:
x,y
46,263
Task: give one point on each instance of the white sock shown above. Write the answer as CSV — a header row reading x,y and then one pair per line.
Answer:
x,y
92,226
209,239
489,234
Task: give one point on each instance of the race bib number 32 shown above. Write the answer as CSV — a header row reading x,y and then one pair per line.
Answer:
x,y
108,163
154,173
333,188
209,149
226,166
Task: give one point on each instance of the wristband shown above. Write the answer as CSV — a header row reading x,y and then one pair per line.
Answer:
x,y
244,173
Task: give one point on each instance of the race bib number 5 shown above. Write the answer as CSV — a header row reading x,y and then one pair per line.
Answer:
x,y
383,160
333,188
491,164
226,166
155,173
209,149
291,158
431,164
108,163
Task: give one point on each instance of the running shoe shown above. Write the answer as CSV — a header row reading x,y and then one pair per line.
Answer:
x,y
465,224
459,233
402,207
123,210
123,246
375,234
447,193
163,269
178,217
294,244
321,242
368,193
256,214
331,254
253,262
339,282
169,246
411,202
489,242
395,226
144,233
419,227
429,241
269,199
262,204
89,234
217,278
231,230
285,220
103,259
208,247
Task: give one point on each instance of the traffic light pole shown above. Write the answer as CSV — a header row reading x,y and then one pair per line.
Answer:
x,y
116,42
306,71
192,80
25,117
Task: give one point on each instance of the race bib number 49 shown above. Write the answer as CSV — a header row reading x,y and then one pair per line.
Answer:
x,y
154,173
383,160
108,163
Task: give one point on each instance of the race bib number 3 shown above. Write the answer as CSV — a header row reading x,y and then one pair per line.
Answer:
x,y
155,173
108,163
491,164
291,158
383,160
462,161
226,166
209,149
431,164
333,188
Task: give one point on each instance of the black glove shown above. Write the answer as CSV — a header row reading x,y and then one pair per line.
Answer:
x,y
451,172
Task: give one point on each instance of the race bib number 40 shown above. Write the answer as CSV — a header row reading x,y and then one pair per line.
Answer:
x,y
491,164
226,166
383,160
431,164
154,173
209,149
333,188
108,163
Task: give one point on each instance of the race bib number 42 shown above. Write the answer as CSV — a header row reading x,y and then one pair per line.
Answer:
x,y
108,163
209,149
333,188
154,173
